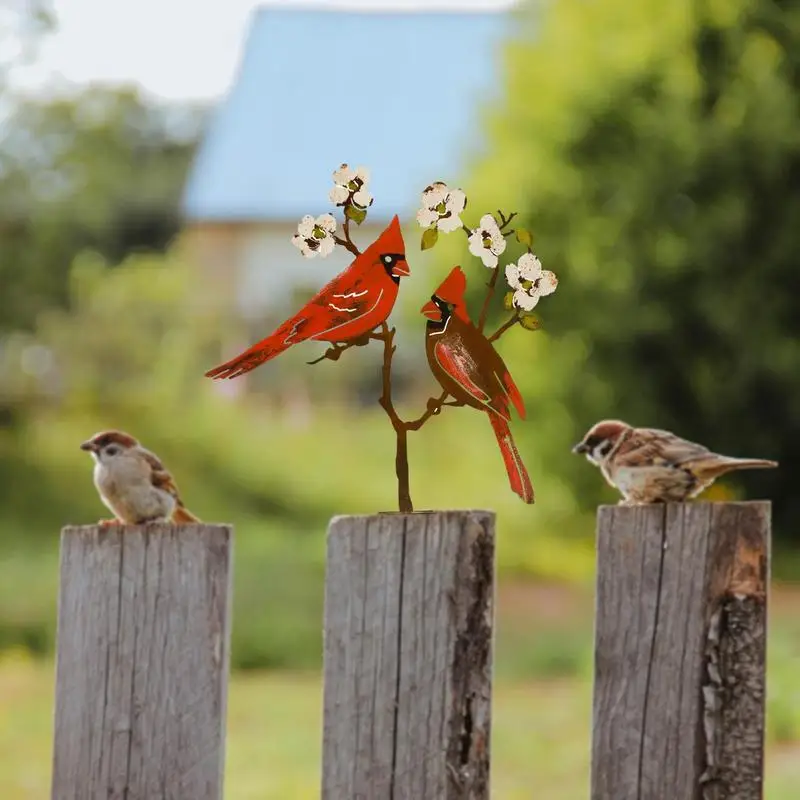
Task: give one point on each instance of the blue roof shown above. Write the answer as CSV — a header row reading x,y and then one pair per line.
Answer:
x,y
400,93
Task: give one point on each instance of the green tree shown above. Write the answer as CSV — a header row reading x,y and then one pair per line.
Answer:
x,y
102,170
654,151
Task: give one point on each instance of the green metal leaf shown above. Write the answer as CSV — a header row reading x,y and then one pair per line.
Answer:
x,y
525,237
530,322
358,215
429,238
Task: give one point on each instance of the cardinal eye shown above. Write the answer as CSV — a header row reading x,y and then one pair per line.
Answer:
x,y
387,259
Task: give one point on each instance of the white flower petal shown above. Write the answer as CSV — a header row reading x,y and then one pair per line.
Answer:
x,y
530,268
547,283
306,226
512,276
362,198
343,175
489,224
498,243
426,217
434,195
363,173
326,246
339,195
489,259
456,201
298,241
476,243
307,250
449,224
525,301
327,222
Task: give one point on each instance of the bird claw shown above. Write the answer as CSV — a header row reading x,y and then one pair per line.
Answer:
x,y
105,523
434,405
331,354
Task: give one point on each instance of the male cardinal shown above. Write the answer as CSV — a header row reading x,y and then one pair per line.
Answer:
x,y
133,482
467,366
351,305
647,465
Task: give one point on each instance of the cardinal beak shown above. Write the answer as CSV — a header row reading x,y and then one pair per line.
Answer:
x,y
580,448
89,446
401,268
431,311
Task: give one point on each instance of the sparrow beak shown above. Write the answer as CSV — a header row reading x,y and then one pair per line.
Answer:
x,y
89,446
580,448
431,311
401,269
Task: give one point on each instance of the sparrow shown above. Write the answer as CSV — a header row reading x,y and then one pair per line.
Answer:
x,y
647,465
133,482
348,307
467,366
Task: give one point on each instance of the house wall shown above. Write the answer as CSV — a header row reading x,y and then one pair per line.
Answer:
x,y
257,269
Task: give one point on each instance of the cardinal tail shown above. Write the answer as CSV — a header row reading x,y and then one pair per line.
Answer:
x,y
720,465
181,514
282,339
517,474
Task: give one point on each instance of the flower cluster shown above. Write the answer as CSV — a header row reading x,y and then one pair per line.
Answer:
x,y
350,186
487,241
529,281
315,237
442,207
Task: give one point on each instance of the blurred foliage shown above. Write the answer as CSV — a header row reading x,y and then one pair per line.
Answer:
x,y
654,165
540,728
102,170
654,151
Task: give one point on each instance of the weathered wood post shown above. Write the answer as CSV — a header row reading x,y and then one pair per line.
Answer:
x,y
680,637
409,605
142,662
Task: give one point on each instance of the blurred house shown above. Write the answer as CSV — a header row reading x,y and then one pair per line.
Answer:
x,y
399,92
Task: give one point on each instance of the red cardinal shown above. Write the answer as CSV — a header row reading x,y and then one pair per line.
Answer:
x,y
351,305
466,365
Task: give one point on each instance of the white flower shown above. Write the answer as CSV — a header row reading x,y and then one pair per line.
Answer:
x,y
486,241
529,281
442,206
351,183
314,237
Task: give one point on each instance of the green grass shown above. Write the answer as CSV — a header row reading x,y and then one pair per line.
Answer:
x,y
541,712
540,738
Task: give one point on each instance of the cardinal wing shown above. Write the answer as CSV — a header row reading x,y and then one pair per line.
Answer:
x,y
459,363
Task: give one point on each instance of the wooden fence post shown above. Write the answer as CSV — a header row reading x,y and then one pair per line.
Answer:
x,y
409,604
680,638
142,662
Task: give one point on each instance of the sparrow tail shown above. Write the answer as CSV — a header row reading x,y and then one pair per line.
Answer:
x,y
517,474
720,465
282,339
182,515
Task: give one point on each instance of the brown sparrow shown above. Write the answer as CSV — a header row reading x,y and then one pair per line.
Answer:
x,y
133,482
647,465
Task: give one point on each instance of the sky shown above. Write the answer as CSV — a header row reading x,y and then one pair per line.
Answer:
x,y
174,49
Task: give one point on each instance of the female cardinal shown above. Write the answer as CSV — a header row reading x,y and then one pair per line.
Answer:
x,y
351,305
467,366
133,482
648,465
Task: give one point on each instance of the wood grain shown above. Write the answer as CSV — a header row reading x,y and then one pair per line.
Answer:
x,y
142,662
680,644
409,606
